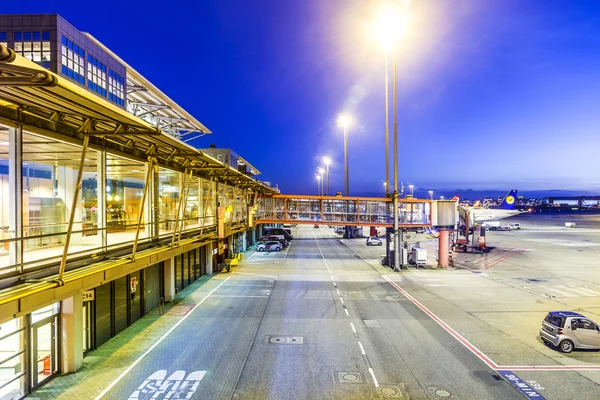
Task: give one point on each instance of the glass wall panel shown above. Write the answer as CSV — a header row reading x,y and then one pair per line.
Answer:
x,y
168,193
49,181
12,352
192,209
5,229
125,180
208,203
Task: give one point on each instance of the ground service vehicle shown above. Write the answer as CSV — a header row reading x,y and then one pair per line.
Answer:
x,y
569,330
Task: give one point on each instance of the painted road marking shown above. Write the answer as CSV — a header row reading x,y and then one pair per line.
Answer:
x,y
179,388
365,357
483,357
136,362
520,385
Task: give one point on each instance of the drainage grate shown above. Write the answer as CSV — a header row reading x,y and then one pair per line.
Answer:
x,y
390,392
442,393
347,377
286,339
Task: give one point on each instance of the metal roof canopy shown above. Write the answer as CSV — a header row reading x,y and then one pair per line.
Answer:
x,y
45,102
148,99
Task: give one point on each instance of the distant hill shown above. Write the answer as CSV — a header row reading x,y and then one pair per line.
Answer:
x,y
472,194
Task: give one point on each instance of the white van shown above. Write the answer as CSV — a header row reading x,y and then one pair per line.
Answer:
x,y
514,225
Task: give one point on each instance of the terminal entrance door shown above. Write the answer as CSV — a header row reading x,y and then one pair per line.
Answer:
x,y
44,339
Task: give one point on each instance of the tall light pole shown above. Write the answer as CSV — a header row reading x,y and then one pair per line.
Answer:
x,y
431,194
344,120
318,185
388,28
387,131
326,160
321,171
411,187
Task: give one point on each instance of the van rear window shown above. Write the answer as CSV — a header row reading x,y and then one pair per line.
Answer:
x,y
555,320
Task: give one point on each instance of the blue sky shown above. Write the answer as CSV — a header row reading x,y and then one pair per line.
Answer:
x,y
494,94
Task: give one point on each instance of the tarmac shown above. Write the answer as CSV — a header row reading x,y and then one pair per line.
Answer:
x,y
324,320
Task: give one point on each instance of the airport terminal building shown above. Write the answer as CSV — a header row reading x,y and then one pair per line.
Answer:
x,y
94,160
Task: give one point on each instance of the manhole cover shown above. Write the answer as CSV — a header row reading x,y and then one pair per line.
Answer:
x,y
286,339
347,377
443,393
390,391
350,377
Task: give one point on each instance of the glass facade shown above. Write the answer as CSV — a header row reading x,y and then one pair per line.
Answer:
x,y
108,206
12,358
116,88
96,76
34,46
72,60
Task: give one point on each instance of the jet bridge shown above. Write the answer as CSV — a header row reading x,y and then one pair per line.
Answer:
x,y
343,211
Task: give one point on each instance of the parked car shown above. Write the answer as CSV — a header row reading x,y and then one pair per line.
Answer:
x,y
374,241
569,331
289,232
269,246
279,232
316,226
512,226
265,239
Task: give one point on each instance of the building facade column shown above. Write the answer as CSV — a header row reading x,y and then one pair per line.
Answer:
x,y
443,248
15,184
169,274
71,326
209,258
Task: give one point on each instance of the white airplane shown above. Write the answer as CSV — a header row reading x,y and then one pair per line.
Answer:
x,y
504,210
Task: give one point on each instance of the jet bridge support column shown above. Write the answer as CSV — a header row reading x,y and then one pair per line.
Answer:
x,y
443,248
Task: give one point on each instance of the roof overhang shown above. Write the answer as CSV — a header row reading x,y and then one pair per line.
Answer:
x,y
45,102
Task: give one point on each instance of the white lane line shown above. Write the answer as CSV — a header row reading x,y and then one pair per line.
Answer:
x,y
334,284
353,328
247,273
338,292
253,254
232,295
373,376
342,300
346,312
362,349
136,362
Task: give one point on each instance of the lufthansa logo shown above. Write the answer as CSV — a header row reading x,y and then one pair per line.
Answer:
x,y
510,200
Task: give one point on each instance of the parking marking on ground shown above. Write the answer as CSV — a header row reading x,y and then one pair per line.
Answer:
x,y
482,356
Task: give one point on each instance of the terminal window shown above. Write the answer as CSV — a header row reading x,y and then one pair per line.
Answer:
x,y
34,46
116,88
72,60
96,75
3,38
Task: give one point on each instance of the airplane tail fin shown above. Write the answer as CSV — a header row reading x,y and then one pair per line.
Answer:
x,y
456,198
509,201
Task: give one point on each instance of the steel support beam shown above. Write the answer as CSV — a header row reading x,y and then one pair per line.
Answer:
x,y
143,203
186,195
74,203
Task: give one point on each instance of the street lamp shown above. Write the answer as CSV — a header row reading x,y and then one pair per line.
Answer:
x,y
318,185
431,194
411,187
321,171
441,197
326,160
344,120
385,185
388,28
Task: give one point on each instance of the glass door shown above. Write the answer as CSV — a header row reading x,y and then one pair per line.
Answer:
x,y
44,342
87,320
